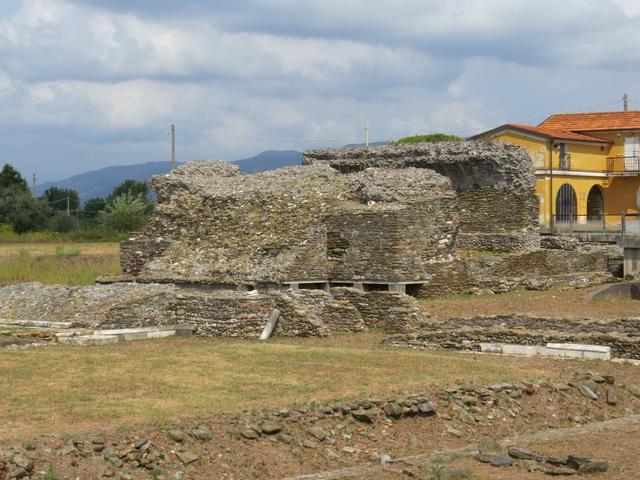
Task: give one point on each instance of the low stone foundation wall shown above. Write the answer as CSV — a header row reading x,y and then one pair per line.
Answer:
x,y
212,312
222,314
390,311
537,269
623,335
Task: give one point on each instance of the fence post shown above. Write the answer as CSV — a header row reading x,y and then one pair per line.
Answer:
x,y
623,223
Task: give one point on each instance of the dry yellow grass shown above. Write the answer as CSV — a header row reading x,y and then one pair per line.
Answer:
x,y
57,263
39,249
559,303
66,388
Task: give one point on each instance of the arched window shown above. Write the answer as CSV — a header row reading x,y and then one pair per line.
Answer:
x,y
595,205
566,204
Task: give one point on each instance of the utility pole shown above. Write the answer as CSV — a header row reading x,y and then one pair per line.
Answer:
x,y
68,211
33,188
625,102
366,133
173,147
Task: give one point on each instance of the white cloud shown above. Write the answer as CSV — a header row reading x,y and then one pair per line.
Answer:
x,y
101,71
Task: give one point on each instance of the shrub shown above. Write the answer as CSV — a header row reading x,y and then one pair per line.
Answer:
x,y
431,137
63,223
125,213
20,210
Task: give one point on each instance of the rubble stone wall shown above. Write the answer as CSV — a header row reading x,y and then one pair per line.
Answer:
x,y
224,313
533,269
494,182
308,223
393,312
389,244
622,335
134,253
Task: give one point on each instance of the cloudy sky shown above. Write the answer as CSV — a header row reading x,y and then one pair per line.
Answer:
x,y
90,83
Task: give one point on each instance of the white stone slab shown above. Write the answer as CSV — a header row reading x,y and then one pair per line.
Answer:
x,y
560,350
580,347
126,331
145,335
528,350
491,347
35,323
89,340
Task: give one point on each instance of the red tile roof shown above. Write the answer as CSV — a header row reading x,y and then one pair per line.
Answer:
x,y
545,132
589,122
557,133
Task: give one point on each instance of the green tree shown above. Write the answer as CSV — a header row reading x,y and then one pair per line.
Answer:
x,y
124,213
61,222
135,188
21,210
10,177
93,207
430,137
57,198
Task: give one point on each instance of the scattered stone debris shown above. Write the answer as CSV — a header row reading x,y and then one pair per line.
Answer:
x,y
490,451
343,430
471,334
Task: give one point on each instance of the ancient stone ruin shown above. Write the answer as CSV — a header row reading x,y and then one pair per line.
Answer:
x,y
295,226
343,242
494,184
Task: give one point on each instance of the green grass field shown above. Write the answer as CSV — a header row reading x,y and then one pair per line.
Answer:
x,y
76,236
57,263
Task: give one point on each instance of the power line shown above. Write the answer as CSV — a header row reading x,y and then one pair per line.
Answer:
x,y
285,139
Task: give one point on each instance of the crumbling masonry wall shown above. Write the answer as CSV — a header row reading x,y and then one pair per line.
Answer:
x,y
217,313
214,225
494,182
537,269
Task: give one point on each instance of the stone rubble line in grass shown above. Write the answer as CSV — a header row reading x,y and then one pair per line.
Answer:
x,y
527,335
490,451
123,455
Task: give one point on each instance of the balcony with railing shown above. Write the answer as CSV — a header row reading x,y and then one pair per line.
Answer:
x,y
622,223
623,166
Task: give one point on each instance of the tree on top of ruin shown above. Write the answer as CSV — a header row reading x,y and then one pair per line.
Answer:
x,y
428,137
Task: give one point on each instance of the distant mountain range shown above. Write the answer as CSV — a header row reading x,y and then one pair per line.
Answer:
x,y
100,183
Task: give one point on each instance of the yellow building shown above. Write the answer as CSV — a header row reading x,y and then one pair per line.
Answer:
x,y
587,167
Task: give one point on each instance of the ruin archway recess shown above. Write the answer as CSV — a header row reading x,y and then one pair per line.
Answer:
x,y
566,204
595,204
